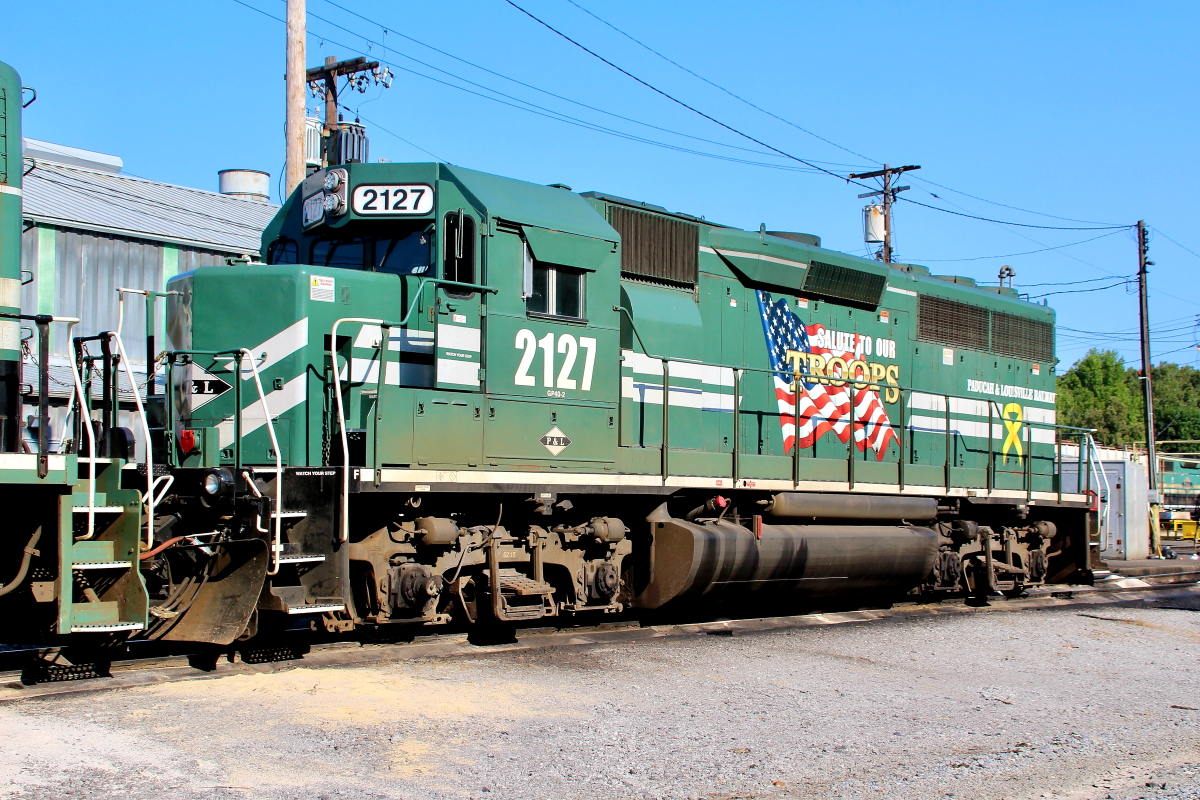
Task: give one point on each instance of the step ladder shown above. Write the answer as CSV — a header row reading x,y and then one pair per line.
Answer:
x,y
100,588
96,564
514,584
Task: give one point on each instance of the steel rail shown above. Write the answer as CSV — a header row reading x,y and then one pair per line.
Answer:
x,y
176,666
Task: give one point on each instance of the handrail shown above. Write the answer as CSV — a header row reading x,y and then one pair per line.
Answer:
x,y
341,412
86,424
278,515
797,377
151,297
237,355
141,412
43,322
478,287
825,380
1097,466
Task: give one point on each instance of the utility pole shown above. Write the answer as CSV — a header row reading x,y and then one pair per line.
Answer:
x,y
297,81
888,193
1148,385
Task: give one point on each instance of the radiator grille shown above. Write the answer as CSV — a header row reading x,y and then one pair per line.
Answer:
x,y
842,283
655,247
955,324
1020,337
964,325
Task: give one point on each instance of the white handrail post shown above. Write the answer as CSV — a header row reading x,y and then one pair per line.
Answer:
x,y
337,394
137,400
86,423
262,398
1098,467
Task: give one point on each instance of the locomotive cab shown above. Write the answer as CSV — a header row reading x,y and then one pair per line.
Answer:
x,y
500,296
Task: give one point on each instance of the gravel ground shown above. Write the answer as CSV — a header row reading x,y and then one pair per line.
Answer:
x,y
1068,703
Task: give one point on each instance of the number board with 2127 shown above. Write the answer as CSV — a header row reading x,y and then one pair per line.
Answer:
x,y
392,199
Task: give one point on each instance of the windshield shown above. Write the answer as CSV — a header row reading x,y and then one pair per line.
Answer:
x,y
405,254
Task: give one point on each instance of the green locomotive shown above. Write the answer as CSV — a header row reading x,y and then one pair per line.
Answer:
x,y
448,396
467,376
70,543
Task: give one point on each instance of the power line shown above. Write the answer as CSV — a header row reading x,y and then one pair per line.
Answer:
x,y
532,108
1194,317
1178,350
515,80
773,115
1005,205
717,85
728,127
673,99
1080,291
1013,255
1009,222
1160,331
1056,283
1177,244
829,142
435,156
1094,266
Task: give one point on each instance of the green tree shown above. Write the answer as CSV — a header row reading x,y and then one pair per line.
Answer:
x,y
1100,392
1177,405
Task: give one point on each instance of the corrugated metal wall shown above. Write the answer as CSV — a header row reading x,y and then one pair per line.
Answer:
x,y
190,259
88,268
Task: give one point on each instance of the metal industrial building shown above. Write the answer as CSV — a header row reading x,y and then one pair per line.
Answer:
x,y
90,229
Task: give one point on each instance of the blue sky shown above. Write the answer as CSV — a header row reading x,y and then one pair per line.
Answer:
x,y
1079,110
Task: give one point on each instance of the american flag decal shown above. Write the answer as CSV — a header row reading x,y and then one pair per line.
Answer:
x,y
821,407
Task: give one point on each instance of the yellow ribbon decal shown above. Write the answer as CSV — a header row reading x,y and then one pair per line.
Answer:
x,y
1012,422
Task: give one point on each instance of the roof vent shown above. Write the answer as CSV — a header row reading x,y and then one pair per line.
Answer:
x,y
246,184
802,238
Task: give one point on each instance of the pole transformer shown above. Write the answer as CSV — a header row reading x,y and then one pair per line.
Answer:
x,y
888,193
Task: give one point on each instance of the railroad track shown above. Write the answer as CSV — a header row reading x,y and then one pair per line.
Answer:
x,y
155,669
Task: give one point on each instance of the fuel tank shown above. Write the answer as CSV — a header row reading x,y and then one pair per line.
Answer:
x,y
713,559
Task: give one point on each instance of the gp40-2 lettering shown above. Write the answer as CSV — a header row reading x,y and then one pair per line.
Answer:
x,y
567,346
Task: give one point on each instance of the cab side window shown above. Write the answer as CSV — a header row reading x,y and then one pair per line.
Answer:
x,y
459,248
283,251
553,289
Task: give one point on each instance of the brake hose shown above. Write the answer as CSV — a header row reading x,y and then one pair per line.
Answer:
x,y
30,552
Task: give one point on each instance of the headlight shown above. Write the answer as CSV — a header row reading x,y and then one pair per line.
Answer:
x,y
218,483
332,181
333,204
